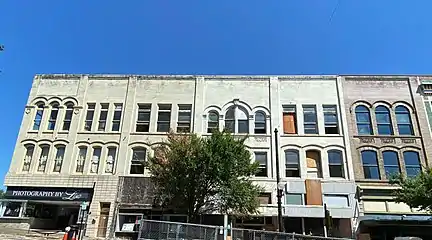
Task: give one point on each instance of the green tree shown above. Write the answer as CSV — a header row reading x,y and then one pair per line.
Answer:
x,y
2,194
416,192
197,175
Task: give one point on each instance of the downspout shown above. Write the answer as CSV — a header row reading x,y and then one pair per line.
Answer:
x,y
343,128
194,105
418,121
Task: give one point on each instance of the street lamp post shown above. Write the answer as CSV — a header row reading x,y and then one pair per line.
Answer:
x,y
280,187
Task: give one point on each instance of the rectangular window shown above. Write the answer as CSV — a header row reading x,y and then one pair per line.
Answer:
x,y
53,117
143,119
58,161
117,117
82,153
110,162
68,118
138,161
294,199
95,160
289,119
89,116
184,118
261,158
38,118
331,119
310,119
164,118
337,201
292,163
43,158
264,198
103,116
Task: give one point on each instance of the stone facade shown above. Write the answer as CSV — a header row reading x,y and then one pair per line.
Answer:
x,y
206,95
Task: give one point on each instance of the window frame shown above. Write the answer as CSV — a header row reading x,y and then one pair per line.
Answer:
x,y
290,110
28,158
405,112
79,168
312,110
103,116
263,167
340,196
412,166
66,120
59,159
301,195
333,111
383,110
212,125
93,162
111,161
260,126
370,165
291,168
55,107
386,166
237,120
42,163
38,118
341,165
164,108
186,125
143,108
362,109
138,162
117,117
89,117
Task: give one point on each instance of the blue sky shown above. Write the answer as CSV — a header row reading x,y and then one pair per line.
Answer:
x,y
205,37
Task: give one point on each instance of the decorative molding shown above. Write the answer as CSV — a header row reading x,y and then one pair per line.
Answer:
x,y
367,139
408,140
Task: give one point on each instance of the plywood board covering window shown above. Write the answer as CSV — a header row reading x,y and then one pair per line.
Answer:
x,y
289,120
313,192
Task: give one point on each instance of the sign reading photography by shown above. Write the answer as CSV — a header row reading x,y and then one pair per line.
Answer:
x,y
54,194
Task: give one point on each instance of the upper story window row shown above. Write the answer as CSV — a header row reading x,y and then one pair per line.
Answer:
x,y
53,110
104,121
309,118
383,118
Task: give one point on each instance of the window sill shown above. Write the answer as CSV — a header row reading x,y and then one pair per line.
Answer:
x,y
103,133
33,131
387,136
48,132
63,132
311,135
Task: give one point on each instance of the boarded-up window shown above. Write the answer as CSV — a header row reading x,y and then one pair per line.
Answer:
x,y
313,161
313,192
289,119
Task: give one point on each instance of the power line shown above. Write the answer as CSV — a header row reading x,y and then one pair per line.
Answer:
x,y
334,10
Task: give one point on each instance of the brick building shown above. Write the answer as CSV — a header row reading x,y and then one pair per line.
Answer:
x,y
389,130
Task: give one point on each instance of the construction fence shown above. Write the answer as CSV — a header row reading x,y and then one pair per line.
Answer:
x,y
152,229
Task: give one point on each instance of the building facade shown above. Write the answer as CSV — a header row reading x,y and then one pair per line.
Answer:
x,y
389,132
84,140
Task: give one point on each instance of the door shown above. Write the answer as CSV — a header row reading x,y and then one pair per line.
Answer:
x,y
103,219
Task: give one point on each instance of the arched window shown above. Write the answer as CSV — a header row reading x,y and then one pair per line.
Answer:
x,y
236,120
94,167
38,117
383,119
391,163
138,160
43,158
313,161
370,164
68,116
292,163
260,123
81,158
53,116
110,162
58,161
28,157
335,161
212,122
403,119
412,163
363,119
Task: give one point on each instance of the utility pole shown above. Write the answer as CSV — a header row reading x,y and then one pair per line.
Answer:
x,y
278,187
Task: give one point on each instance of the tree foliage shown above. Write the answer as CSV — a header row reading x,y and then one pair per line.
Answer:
x,y
416,192
197,175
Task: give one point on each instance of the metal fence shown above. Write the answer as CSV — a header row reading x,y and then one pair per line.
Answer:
x,y
152,230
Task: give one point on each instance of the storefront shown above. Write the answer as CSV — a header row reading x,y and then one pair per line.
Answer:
x,y
44,208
